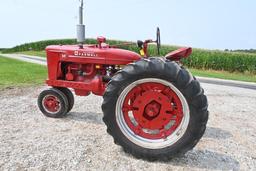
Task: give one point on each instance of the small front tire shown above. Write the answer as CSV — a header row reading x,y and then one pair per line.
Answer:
x,y
70,97
53,103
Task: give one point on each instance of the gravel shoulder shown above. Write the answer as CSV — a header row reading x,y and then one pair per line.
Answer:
x,y
30,141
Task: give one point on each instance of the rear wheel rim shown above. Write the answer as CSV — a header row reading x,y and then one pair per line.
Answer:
x,y
152,113
51,104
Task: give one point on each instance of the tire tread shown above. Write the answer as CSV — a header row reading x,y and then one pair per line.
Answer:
x,y
182,79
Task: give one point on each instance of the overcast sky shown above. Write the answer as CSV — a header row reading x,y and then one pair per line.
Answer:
x,y
215,24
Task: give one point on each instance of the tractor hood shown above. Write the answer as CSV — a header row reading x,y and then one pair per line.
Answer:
x,y
94,54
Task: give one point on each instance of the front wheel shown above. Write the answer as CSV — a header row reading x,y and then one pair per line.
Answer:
x,y
69,95
160,109
53,103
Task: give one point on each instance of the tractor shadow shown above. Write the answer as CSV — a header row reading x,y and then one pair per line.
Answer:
x,y
88,117
217,133
197,159
96,118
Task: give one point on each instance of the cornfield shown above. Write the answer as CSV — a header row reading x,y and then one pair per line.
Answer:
x,y
200,59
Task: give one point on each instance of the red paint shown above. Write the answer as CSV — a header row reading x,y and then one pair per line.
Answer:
x,y
101,40
91,55
51,103
152,109
94,85
85,60
83,68
177,55
154,106
145,47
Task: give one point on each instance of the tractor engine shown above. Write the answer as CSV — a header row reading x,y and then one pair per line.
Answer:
x,y
94,74
85,72
87,69
81,72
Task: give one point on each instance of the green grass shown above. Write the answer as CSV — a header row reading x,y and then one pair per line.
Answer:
x,y
14,73
34,53
248,77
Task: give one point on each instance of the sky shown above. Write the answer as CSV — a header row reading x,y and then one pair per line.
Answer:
x,y
215,24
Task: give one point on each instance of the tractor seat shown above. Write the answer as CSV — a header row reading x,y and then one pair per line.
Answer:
x,y
179,54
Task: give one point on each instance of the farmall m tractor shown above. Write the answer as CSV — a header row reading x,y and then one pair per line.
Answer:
x,y
153,107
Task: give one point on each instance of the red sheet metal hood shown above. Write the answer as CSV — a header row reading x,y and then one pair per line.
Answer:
x,y
92,53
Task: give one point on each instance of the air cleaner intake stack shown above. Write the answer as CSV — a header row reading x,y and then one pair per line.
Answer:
x,y
81,26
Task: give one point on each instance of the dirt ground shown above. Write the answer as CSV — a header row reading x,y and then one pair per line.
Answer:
x,y
30,141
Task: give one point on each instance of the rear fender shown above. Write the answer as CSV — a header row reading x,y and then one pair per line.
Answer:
x,y
177,55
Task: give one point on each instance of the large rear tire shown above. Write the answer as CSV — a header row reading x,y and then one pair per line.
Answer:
x,y
155,109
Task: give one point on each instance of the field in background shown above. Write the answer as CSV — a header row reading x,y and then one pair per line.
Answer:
x,y
15,73
196,72
33,53
206,63
200,59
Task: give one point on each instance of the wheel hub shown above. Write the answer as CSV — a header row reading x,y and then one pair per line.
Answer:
x,y
152,110
51,103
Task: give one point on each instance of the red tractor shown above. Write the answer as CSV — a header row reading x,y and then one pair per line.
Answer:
x,y
153,107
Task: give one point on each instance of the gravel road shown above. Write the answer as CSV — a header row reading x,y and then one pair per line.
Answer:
x,y
29,141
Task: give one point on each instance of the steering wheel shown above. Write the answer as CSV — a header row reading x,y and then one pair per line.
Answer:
x,y
158,40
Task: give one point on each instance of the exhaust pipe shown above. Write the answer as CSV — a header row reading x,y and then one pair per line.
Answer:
x,y
81,26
